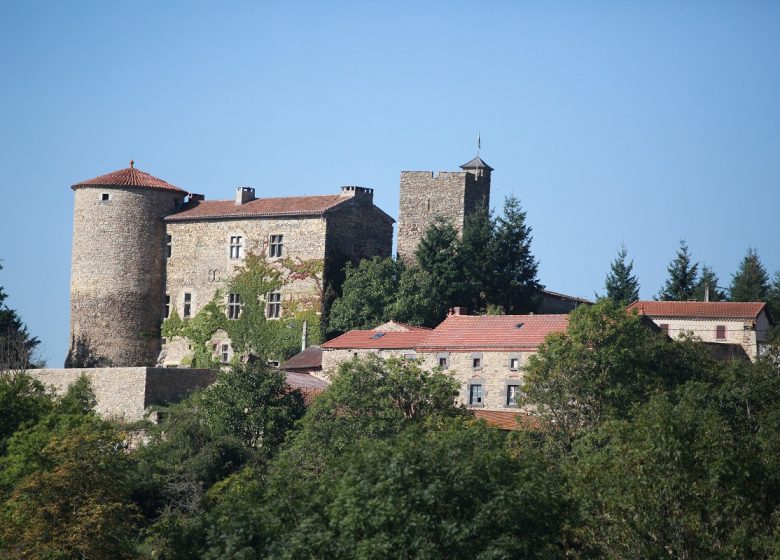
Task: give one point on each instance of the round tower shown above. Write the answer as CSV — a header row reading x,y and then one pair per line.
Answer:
x,y
118,268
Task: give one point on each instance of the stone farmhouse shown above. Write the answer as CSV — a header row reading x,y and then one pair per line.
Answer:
x,y
744,326
487,354
142,247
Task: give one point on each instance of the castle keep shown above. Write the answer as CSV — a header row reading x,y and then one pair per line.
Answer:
x,y
143,247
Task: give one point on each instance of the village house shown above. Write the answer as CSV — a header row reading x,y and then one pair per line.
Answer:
x,y
743,325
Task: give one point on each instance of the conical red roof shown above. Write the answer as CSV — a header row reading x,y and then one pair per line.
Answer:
x,y
129,177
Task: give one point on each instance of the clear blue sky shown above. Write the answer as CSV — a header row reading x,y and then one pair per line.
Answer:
x,y
613,122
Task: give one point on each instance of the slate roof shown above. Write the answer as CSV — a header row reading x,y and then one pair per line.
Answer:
x,y
311,358
259,207
129,177
699,309
377,340
476,163
492,332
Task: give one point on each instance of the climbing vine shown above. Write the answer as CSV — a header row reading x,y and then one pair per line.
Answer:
x,y
252,333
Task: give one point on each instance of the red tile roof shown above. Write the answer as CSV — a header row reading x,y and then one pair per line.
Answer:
x,y
508,420
699,309
307,384
311,358
377,340
398,326
129,177
492,332
259,207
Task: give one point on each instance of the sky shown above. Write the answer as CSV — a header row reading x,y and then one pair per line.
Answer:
x,y
641,123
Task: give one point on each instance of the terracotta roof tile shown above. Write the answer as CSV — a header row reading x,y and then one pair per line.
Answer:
x,y
377,340
259,207
508,420
699,309
311,358
129,177
492,332
397,326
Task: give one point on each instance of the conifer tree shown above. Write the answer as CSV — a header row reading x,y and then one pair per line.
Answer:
x,y
515,279
751,282
16,344
438,254
478,258
681,284
708,281
622,286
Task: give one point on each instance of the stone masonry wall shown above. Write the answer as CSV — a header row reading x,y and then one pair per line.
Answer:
x,y
125,393
331,359
117,273
736,331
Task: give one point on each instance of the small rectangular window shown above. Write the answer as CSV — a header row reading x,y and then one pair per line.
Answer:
x,y
168,246
512,392
273,307
105,197
443,363
225,353
273,363
187,305
475,394
234,306
167,310
720,332
514,363
236,247
410,356
476,362
275,246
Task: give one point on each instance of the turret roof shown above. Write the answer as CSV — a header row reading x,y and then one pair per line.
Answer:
x,y
129,177
476,163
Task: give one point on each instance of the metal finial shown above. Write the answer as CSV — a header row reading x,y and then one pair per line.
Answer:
x,y
131,163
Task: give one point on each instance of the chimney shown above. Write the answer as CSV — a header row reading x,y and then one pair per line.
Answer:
x,y
244,195
358,192
459,311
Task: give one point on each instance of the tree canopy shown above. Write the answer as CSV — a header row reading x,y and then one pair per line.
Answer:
x,y
17,347
621,284
751,281
682,280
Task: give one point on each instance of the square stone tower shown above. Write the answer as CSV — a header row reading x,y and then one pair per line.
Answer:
x,y
453,195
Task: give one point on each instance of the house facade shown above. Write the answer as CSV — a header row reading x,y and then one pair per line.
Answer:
x,y
741,324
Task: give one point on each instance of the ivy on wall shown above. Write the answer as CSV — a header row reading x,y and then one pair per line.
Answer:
x,y
252,333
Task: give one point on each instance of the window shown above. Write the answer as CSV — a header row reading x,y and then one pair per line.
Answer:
x,y
236,247
225,353
234,306
275,246
187,305
410,356
476,361
273,363
475,394
514,362
167,310
168,246
273,307
443,361
512,393
105,197
720,332
664,328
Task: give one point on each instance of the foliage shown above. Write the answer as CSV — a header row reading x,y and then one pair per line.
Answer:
x,y
438,254
681,284
368,294
16,345
606,362
708,279
23,401
478,258
415,303
751,281
515,282
773,302
251,333
622,286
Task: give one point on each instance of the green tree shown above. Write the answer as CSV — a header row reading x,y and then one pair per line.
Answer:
x,y
515,283
16,345
415,301
601,367
773,301
478,258
621,285
708,281
438,254
681,284
23,402
751,282
368,294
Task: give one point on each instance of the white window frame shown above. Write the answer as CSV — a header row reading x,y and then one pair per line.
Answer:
x,y
273,305
234,306
275,245
236,247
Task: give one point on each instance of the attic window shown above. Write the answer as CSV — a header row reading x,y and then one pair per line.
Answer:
x,y
378,335
519,325
105,197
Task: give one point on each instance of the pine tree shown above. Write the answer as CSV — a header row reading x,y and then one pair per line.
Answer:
x,y
751,282
477,258
681,284
621,285
515,280
709,279
16,344
773,302
438,256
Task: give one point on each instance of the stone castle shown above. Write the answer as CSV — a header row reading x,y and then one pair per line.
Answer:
x,y
143,247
